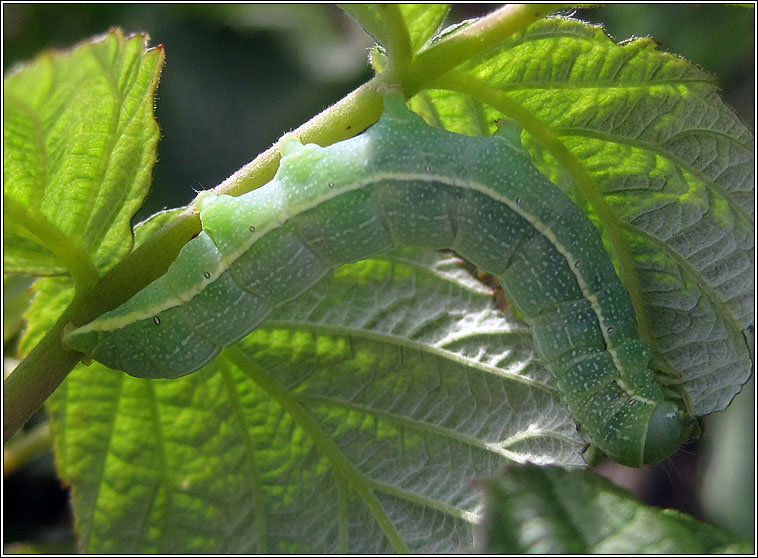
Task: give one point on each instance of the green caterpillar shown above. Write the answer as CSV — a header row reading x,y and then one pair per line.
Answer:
x,y
404,183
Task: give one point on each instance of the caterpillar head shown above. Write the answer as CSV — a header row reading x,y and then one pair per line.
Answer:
x,y
640,433
665,432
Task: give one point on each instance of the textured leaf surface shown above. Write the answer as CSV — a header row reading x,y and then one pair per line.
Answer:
x,y
80,142
354,421
642,140
546,510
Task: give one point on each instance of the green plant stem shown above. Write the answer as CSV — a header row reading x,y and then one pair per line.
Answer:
x,y
36,378
398,44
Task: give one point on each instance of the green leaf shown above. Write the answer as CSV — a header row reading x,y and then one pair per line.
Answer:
x,y
353,421
642,141
421,21
80,141
546,510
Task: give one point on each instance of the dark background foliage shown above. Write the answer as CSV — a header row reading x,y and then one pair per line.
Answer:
x,y
238,76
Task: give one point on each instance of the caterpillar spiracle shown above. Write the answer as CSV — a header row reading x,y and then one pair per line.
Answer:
x,y
404,183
